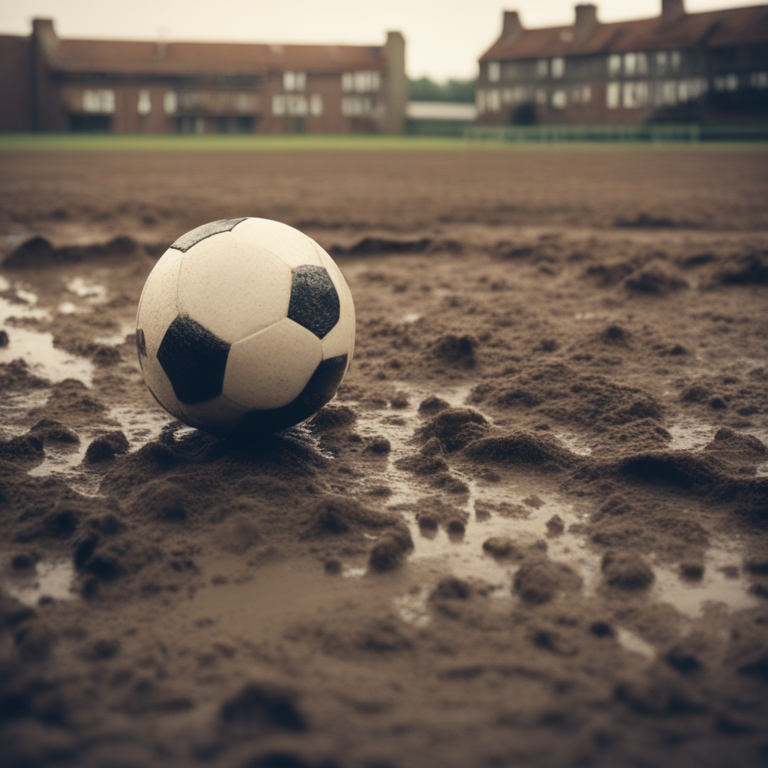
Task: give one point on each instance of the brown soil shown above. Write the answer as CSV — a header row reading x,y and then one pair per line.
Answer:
x,y
531,530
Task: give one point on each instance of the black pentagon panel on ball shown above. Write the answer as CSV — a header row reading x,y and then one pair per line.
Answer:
x,y
194,360
314,301
193,237
318,391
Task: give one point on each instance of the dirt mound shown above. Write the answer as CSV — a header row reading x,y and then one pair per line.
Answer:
x,y
369,246
38,252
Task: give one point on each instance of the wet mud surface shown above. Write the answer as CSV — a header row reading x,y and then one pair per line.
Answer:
x,y
531,529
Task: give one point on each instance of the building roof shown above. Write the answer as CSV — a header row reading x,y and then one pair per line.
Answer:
x,y
711,29
158,58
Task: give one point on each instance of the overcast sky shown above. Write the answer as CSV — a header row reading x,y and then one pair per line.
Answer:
x,y
444,39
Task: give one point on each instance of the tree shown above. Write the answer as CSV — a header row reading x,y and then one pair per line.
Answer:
x,y
426,89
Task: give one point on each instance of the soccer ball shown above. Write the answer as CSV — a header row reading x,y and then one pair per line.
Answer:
x,y
245,326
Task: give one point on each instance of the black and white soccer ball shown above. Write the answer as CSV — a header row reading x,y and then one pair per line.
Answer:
x,y
245,325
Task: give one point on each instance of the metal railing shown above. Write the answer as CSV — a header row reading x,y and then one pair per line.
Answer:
x,y
616,132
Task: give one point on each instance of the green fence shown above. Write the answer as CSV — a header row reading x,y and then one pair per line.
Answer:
x,y
617,133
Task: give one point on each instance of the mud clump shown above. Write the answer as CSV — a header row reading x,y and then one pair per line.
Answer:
x,y
38,252
747,269
262,707
390,552
456,351
454,428
370,246
539,581
333,417
521,448
654,281
626,570
106,447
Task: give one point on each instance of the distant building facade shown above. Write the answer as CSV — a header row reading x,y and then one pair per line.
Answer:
x,y
676,67
53,84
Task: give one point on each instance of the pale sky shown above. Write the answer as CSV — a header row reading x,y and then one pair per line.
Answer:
x,y
444,39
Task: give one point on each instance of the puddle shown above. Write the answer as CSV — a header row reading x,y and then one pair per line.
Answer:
x,y
690,435
14,411
437,553
693,435
43,359
574,444
691,598
94,293
22,307
36,348
462,555
49,578
635,644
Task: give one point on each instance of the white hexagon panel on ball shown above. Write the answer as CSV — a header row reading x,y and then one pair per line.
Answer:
x,y
245,326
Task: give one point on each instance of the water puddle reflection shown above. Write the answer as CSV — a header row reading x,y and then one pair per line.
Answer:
x,y
47,579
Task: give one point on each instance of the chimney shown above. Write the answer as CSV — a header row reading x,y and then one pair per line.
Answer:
x,y
45,36
586,22
511,26
671,11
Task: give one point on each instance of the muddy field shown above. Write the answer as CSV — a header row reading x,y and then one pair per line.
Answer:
x,y
531,530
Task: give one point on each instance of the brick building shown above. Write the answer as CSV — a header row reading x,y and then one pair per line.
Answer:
x,y
52,84
676,67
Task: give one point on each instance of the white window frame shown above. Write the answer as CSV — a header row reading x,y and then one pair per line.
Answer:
x,y
661,62
170,102
613,95
614,65
101,102
316,105
294,81
494,71
559,100
630,64
557,67
542,68
144,103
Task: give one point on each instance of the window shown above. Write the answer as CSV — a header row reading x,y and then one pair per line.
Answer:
x,y
99,102
559,100
630,63
727,82
170,102
759,79
360,82
494,71
493,100
558,67
635,95
661,62
614,65
541,96
145,103
289,104
316,104
642,64
670,93
586,94
613,95
294,81
675,60
542,67
356,106
480,100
